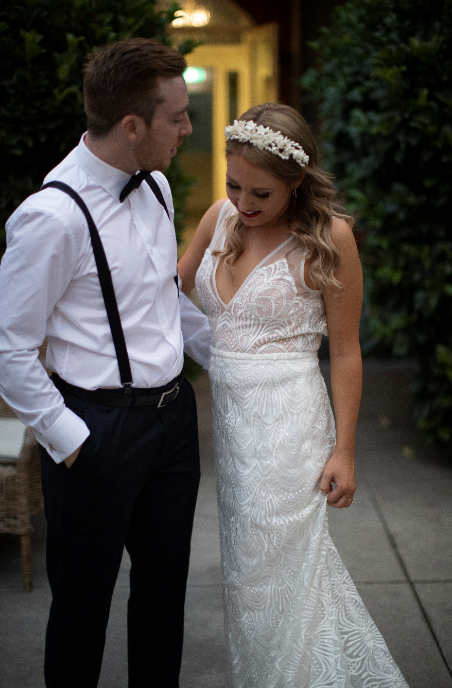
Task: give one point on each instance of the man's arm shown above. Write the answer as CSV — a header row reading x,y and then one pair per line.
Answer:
x,y
36,269
195,330
194,324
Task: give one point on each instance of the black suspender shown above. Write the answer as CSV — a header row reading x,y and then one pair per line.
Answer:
x,y
159,196
157,192
105,280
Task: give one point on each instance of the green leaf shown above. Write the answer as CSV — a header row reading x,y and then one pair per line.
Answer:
x,y
32,41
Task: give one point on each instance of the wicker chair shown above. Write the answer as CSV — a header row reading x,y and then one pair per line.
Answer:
x,y
20,493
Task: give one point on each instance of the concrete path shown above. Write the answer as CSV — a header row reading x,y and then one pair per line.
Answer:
x,y
395,541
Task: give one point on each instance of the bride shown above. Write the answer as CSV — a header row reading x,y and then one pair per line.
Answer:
x,y
277,267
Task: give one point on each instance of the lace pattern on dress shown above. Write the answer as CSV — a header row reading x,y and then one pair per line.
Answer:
x,y
273,311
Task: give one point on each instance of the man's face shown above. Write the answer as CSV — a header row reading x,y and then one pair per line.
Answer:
x,y
159,142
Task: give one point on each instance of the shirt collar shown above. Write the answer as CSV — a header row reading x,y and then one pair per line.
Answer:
x,y
109,178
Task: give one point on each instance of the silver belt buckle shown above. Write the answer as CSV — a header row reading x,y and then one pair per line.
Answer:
x,y
170,391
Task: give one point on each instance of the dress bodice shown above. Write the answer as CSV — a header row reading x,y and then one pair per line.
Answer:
x,y
273,311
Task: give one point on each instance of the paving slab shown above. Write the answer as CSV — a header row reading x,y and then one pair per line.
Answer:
x,y
416,500
205,546
437,601
397,615
400,526
367,553
22,634
203,663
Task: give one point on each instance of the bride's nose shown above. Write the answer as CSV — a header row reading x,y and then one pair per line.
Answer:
x,y
246,201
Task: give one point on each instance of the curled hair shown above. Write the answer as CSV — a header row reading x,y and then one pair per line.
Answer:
x,y
310,212
121,79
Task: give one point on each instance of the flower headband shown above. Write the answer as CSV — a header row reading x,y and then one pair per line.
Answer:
x,y
266,139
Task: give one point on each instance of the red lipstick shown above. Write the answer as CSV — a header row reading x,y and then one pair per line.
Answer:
x,y
250,215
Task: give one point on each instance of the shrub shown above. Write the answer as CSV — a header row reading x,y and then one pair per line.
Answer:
x,y
385,93
43,44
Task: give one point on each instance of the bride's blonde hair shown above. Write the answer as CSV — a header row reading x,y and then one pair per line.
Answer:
x,y
311,210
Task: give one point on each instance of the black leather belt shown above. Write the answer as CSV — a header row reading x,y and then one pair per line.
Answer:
x,y
129,397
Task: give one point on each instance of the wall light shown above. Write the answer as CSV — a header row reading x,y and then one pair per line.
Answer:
x,y
195,75
192,15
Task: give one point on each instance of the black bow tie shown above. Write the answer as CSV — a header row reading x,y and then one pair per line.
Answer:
x,y
133,183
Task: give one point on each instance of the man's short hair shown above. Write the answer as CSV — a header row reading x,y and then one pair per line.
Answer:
x,y
121,79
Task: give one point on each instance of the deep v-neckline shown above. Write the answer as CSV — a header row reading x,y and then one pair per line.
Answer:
x,y
247,278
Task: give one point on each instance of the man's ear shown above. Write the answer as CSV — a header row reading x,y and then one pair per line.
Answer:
x,y
132,127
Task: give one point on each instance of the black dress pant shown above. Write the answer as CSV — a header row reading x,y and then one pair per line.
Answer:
x,y
134,484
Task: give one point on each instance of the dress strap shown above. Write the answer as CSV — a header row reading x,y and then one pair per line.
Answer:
x,y
218,238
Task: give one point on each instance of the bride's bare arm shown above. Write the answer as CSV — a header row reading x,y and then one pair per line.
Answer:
x,y
190,261
343,312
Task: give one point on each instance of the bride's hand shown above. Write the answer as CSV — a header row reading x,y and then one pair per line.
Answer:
x,y
339,480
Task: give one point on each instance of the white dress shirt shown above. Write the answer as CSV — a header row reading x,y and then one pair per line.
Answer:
x,y
49,287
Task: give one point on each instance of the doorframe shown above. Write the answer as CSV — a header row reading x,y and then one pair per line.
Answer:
x,y
240,58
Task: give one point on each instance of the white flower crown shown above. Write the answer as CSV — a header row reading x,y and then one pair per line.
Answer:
x,y
266,139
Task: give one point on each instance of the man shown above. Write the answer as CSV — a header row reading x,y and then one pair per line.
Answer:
x,y
120,463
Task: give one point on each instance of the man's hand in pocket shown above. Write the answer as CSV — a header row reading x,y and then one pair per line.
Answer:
x,y
70,459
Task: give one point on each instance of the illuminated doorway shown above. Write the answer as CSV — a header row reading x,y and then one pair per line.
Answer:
x,y
196,153
235,68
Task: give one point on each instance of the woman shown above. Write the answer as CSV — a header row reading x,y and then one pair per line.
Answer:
x,y
278,266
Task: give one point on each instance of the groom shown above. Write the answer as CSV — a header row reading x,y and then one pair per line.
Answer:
x,y
117,421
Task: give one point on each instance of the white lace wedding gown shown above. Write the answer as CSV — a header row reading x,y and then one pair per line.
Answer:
x,y
293,617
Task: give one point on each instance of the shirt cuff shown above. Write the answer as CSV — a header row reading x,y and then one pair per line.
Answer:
x,y
65,436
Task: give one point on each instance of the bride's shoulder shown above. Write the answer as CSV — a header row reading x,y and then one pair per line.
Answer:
x,y
342,235
209,221
223,208
216,213
215,218
191,260
340,227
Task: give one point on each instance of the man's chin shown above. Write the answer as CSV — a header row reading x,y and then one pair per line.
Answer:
x,y
166,163
157,165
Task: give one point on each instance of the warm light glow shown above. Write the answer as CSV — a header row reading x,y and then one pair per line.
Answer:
x,y
192,15
200,17
182,18
195,75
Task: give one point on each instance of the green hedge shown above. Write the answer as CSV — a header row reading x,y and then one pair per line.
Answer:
x,y
385,95
43,44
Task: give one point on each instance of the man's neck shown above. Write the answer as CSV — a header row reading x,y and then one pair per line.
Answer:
x,y
111,150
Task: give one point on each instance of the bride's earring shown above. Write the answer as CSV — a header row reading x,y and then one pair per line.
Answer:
x,y
294,193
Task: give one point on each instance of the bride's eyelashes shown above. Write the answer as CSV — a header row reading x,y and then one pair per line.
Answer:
x,y
235,187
